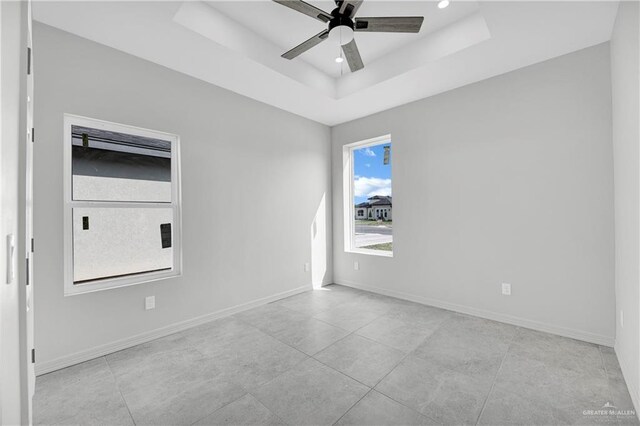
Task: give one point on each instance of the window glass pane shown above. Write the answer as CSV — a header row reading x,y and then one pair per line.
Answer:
x,y
112,166
372,197
113,242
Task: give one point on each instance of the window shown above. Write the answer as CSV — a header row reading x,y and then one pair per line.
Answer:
x,y
122,205
367,197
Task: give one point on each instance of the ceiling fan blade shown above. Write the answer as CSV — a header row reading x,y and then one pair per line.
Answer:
x,y
350,7
391,24
353,56
303,47
306,8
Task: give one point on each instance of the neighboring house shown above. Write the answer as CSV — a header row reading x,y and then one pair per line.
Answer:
x,y
377,207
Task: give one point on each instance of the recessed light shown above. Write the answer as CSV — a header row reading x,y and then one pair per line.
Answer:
x,y
443,3
339,59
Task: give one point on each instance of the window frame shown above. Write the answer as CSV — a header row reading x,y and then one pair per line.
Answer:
x,y
69,204
348,195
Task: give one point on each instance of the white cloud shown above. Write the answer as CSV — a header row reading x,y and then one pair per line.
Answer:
x,y
368,165
369,186
368,152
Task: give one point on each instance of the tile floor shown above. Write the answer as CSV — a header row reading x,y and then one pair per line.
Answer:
x,y
346,357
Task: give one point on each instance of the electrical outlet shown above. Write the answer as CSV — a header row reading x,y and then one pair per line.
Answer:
x,y
150,302
506,289
622,318
307,267
356,266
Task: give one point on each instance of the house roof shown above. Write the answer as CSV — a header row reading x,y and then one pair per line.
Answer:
x,y
120,142
375,201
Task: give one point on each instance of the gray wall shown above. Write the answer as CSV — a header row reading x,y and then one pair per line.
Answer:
x,y
625,72
507,180
237,154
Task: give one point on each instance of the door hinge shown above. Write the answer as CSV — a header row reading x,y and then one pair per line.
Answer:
x,y
33,356
33,134
28,61
27,271
32,245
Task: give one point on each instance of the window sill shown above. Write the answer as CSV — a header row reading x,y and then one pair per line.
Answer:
x,y
108,284
369,252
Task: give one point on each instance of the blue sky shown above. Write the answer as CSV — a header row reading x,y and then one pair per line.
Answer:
x,y
371,175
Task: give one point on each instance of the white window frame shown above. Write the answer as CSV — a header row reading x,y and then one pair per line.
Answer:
x,y
348,195
69,204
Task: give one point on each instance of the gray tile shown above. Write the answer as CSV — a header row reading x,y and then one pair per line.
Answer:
x,y
610,361
527,378
506,408
82,394
203,374
253,363
244,411
622,402
271,318
109,411
219,334
131,357
569,390
318,300
557,351
353,315
581,414
446,396
175,387
480,329
363,359
629,418
620,394
310,394
245,353
402,334
95,369
382,303
310,335
376,409
620,398
353,292
423,315
304,333
470,345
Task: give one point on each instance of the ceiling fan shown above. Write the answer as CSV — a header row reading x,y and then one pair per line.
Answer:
x,y
342,24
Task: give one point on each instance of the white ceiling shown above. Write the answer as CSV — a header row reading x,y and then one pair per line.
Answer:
x,y
237,45
287,28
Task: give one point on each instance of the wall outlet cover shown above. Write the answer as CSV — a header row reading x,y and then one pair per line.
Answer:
x,y
307,267
356,266
622,318
150,302
506,289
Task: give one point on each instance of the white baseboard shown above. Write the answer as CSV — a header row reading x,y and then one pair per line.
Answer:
x,y
107,348
495,316
632,385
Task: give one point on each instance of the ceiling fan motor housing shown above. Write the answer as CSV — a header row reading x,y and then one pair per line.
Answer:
x,y
340,28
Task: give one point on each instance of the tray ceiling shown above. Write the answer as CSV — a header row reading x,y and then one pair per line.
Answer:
x,y
237,45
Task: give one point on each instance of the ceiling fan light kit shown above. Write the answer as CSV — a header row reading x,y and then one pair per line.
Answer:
x,y
341,34
342,26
